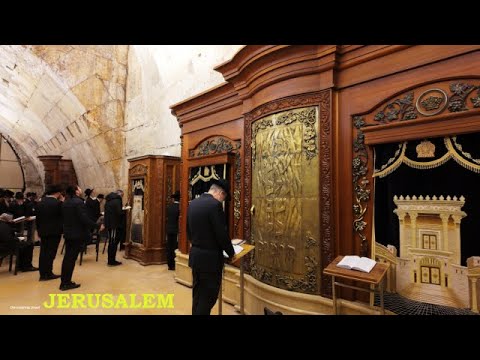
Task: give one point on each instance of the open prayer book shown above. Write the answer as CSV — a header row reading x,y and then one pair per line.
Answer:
x,y
237,248
21,218
238,241
354,262
128,207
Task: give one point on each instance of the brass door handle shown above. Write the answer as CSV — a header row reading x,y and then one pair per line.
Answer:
x,y
252,210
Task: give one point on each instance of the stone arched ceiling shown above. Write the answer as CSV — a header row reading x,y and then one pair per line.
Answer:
x,y
67,100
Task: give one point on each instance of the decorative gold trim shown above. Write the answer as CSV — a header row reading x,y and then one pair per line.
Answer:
x,y
459,147
460,160
395,165
423,165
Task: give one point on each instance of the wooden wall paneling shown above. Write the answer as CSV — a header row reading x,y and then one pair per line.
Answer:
x,y
261,79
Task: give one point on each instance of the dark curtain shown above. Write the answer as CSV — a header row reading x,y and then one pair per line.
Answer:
x,y
448,179
383,153
201,186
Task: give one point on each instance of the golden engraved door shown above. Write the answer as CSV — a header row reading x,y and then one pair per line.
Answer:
x,y
430,275
285,200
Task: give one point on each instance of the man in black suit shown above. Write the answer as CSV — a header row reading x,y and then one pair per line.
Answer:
x,y
173,212
76,227
18,209
50,229
92,204
8,242
113,222
207,231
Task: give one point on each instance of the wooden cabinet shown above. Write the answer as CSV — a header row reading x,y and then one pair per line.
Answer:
x,y
151,181
58,171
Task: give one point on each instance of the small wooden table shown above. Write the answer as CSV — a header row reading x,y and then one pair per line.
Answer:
x,y
375,277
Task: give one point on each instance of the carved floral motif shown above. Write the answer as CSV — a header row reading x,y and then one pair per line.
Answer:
x,y
402,109
360,184
138,170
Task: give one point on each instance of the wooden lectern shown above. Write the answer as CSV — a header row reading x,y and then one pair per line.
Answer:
x,y
239,257
374,277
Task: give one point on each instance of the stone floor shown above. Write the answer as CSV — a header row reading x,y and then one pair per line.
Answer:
x,y
24,294
401,305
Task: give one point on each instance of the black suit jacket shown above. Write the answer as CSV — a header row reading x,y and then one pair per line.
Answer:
x,y
7,237
113,211
76,223
173,212
207,231
49,217
93,208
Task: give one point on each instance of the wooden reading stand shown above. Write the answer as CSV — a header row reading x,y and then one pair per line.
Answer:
x,y
374,277
239,257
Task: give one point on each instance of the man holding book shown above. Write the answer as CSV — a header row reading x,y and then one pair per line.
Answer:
x,y
207,231
8,242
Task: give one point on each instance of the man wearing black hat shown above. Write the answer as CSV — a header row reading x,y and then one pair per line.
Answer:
x,y
18,209
207,231
92,205
173,212
50,229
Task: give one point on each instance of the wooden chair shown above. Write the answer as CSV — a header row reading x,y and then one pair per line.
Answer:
x,y
95,240
11,254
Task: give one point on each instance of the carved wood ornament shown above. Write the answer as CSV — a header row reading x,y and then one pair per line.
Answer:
x,y
138,170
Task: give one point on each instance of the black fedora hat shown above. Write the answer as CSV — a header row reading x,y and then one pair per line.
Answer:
x,y
176,195
225,187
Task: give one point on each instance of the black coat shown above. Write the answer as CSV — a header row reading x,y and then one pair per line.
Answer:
x,y
30,208
207,231
113,211
7,237
76,223
4,207
173,212
93,208
18,210
49,217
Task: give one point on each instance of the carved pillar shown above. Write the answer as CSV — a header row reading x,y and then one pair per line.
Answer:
x,y
413,230
445,218
457,219
403,244
474,294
